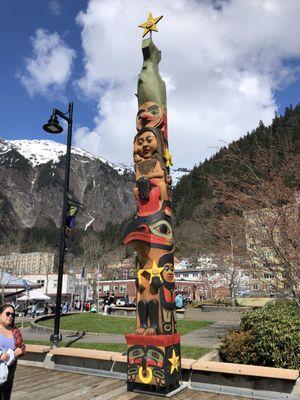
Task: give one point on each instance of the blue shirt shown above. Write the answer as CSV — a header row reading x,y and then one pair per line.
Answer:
x,y
179,301
6,343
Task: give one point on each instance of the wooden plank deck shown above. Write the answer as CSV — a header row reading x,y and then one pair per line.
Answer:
x,y
33,383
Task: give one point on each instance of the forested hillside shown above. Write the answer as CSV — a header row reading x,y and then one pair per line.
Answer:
x,y
202,198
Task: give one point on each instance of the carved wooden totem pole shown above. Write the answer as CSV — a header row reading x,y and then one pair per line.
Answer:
x,y
154,350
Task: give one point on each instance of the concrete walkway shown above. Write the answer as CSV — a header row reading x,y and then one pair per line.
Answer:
x,y
87,338
210,336
206,337
196,314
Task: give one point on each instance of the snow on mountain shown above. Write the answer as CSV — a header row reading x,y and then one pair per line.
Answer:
x,y
177,174
42,151
4,146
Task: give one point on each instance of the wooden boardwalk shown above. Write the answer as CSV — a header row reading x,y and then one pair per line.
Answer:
x,y
32,383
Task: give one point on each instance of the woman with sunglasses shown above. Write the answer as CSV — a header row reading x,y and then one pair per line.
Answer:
x,y
10,338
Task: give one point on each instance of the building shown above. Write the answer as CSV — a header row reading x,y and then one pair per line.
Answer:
x,y
182,264
196,273
211,278
272,237
122,270
28,263
193,290
201,290
48,285
11,285
262,235
120,287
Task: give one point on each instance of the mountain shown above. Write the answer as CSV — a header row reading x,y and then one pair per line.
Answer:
x,y
32,174
31,185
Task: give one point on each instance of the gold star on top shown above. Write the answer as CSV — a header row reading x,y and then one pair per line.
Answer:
x,y
168,158
174,362
155,271
150,24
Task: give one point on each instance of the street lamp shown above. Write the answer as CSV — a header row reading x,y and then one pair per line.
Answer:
x,y
53,127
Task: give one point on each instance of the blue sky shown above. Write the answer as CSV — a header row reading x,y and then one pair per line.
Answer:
x,y
22,115
227,65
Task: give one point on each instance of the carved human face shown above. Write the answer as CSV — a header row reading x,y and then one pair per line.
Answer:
x,y
150,115
168,273
145,144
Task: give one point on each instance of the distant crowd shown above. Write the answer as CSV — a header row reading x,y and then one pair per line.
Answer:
x,y
106,304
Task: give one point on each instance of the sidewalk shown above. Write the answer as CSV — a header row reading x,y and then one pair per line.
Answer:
x,y
88,338
210,336
196,314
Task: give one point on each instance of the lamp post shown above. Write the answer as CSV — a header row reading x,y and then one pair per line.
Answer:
x,y
53,127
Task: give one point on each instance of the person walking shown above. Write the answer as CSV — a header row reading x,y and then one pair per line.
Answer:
x,y
10,341
46,309
65,308
33,311
179,301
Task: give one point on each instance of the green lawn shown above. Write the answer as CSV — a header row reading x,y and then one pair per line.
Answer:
x,y
86,322
186,351
25,324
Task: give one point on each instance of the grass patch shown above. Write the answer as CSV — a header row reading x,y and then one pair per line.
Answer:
x,y
86,322
184,326
194,351
186,351
25,324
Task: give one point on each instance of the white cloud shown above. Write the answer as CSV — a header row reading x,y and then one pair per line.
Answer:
x,y
222,61
55,7
48,70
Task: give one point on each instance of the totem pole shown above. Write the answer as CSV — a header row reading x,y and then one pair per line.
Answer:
x,y
154,350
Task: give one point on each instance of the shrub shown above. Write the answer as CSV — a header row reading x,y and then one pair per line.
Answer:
x,y
211,302
269,336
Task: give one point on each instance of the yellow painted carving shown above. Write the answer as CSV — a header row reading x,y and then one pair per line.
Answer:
x,y
145,379
155,271
139,274
174,362
167,315
168,158
150,24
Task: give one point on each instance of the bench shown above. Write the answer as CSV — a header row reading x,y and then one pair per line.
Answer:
x,y
247,380
35,353
249,370
84,353
93,360
37,348
211,376
126,311
180,313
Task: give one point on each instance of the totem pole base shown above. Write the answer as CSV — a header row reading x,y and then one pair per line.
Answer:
x,y
158,393
154,364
